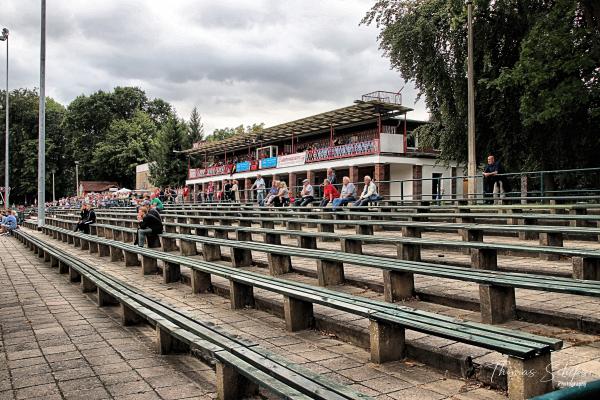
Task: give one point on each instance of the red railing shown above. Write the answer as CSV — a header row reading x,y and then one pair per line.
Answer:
x,y
343,151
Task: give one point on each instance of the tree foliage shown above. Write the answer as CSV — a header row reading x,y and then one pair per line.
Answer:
x,y
109,133
536,71
169,166
224,133
195,128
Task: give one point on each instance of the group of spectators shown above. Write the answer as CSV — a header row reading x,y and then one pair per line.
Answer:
x,y
149,219
279,193
8,223
229,190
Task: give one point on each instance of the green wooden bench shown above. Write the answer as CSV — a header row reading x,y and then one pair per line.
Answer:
x,y
242,366
388,321
497,289
586,263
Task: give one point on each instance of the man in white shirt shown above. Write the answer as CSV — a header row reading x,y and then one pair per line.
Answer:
x,y
259,185
347,195
368,194
307,194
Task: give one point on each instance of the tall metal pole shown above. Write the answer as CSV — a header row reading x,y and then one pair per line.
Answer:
x,y
472,164
76,178
53,196
42,124
6,159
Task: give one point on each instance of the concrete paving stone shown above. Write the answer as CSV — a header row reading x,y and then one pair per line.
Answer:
x,y
97,393
75,373
35,380
58,349
152,371
179,391
70,355
5,384
120,377
20,355
7,395
26,362
169,379
31,370
37,391
386,384
359,374
146,362
141,396
415,393
112,368
126,388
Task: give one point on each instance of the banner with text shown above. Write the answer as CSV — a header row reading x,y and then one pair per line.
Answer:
x,y
291,160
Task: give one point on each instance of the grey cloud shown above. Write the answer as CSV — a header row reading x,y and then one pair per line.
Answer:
x,y
238,61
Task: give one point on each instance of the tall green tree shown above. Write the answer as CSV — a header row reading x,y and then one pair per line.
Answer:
x,y
126,145
536,70
195,127
24,146
224,133
169,167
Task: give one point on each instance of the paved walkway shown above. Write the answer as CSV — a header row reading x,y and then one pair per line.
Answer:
x,y
56,344
325,354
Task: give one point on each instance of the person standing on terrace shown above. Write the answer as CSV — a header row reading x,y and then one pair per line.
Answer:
x,y
331,176
259,185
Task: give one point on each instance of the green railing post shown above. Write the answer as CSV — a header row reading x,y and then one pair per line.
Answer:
x,y
402,192
542,184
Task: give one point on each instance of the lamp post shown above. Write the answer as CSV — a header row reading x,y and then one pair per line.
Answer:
x,y
76,178
42,123
4,37
53,196
471,166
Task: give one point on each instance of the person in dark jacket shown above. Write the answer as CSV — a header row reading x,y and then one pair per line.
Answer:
x,y
150,224
87,217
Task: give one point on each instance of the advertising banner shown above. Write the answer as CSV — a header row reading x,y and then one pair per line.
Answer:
x,y
291,160
242,167
270,162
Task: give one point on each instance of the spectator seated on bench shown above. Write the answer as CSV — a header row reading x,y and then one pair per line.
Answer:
x,y
347,195
369,193
150,225
87,217
307,194
9,223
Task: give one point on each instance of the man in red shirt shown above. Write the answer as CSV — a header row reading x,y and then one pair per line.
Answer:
x,y
329,193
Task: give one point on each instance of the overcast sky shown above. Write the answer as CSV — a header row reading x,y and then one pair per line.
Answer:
x,y
244,61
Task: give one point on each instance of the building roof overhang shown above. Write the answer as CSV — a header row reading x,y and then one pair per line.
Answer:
x,y
359,113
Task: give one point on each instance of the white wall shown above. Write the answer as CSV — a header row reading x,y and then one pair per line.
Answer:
x,y
400,172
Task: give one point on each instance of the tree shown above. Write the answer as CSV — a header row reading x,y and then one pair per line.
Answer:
x,y
168,167
224,133
195,127
126,145
159,111
24,144
88,121
533,61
